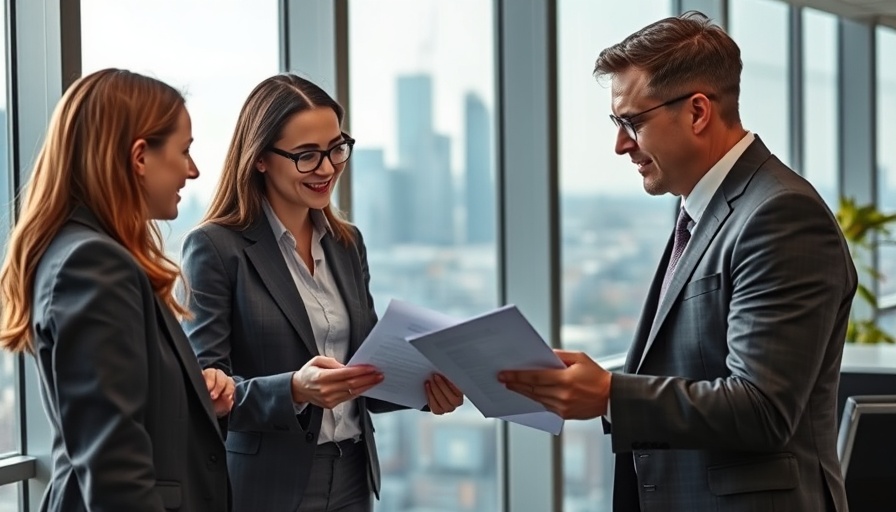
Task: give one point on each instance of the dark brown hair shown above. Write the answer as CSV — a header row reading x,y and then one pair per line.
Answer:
x,y
237,201
681,54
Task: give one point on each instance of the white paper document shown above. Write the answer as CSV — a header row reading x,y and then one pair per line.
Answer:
x,y
477,349
472,352
405,369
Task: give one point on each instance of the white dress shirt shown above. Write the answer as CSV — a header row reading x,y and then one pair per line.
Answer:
x,y
327,313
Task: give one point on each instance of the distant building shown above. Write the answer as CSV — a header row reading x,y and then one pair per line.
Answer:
x,y
372,196
425,158
479,182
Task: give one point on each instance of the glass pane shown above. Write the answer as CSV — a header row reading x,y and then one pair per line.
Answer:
x,y
820,99
760,28
613,232
887,321
886,149
9,414
214,53
422,111
9,497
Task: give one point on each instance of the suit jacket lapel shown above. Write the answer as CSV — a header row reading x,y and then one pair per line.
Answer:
x,y
267,259
711,221
176,338
703,235
339,261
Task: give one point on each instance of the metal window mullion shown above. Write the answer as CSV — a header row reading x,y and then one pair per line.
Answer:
x,y
856,123
314,45
527,178
795,90
42,69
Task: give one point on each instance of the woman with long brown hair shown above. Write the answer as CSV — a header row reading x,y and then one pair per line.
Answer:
x,y
281,301
87,289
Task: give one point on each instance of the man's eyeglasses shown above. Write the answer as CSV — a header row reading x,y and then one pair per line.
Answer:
x,y
627,121
310,160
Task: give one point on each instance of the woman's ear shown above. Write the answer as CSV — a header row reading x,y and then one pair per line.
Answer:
x,y
259,165
138,157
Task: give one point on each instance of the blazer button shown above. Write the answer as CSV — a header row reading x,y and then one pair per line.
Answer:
x,y
213,459
309,437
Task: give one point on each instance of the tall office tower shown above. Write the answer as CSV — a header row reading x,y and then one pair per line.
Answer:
x,y
372,192
415,128
425,158
435,199
479,184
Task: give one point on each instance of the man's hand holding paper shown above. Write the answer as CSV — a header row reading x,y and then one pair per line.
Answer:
x,y
578,392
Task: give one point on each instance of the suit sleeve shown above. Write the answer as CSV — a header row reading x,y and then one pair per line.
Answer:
x,y
261,403
100,375
792,283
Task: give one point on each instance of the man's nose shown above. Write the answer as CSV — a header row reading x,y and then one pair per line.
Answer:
x,y
624,143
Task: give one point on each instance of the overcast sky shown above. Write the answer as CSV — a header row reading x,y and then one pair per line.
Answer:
x,y
217,50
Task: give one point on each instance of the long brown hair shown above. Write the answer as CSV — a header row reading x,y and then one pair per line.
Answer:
x,y
85,160
238,198
679,54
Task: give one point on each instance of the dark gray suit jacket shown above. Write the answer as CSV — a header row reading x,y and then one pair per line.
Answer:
x,y
250,321
133,425
728,400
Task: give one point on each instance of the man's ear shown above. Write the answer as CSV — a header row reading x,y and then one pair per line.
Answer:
x,y
138,157
701,110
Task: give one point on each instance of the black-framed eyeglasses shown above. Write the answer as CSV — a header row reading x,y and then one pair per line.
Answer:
x,y
310,160
627,121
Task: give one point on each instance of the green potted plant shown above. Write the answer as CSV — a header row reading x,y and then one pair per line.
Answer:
x,y
865,227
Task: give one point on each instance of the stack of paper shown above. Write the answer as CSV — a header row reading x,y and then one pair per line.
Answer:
x,y
410,343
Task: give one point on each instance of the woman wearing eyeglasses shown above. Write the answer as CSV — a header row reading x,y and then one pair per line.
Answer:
x,y
280,300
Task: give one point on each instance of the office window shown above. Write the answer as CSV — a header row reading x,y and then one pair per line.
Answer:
x,y
422,110
760,28
886,150
820,120
9,407
887,321
214,53
613,233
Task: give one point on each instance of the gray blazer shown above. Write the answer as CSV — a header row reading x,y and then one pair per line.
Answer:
x,y
132,422
729,396
250,321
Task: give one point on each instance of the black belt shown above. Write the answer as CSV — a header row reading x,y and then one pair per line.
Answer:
x,y
338,449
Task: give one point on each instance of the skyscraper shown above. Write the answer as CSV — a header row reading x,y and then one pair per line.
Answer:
x,y
425,158
478,183
372,195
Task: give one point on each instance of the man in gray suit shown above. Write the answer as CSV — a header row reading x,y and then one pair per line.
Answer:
x,y
728,396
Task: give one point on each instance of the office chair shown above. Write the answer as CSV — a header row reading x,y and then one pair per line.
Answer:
x,y
866,446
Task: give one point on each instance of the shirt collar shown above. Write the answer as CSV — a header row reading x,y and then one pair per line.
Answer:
x,y
318,219
696,202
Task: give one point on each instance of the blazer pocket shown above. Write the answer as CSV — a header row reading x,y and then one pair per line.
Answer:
x,y
170,493
775,473
243,442
700,286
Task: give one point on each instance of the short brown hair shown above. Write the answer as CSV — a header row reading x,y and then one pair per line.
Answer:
x,y
681,53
